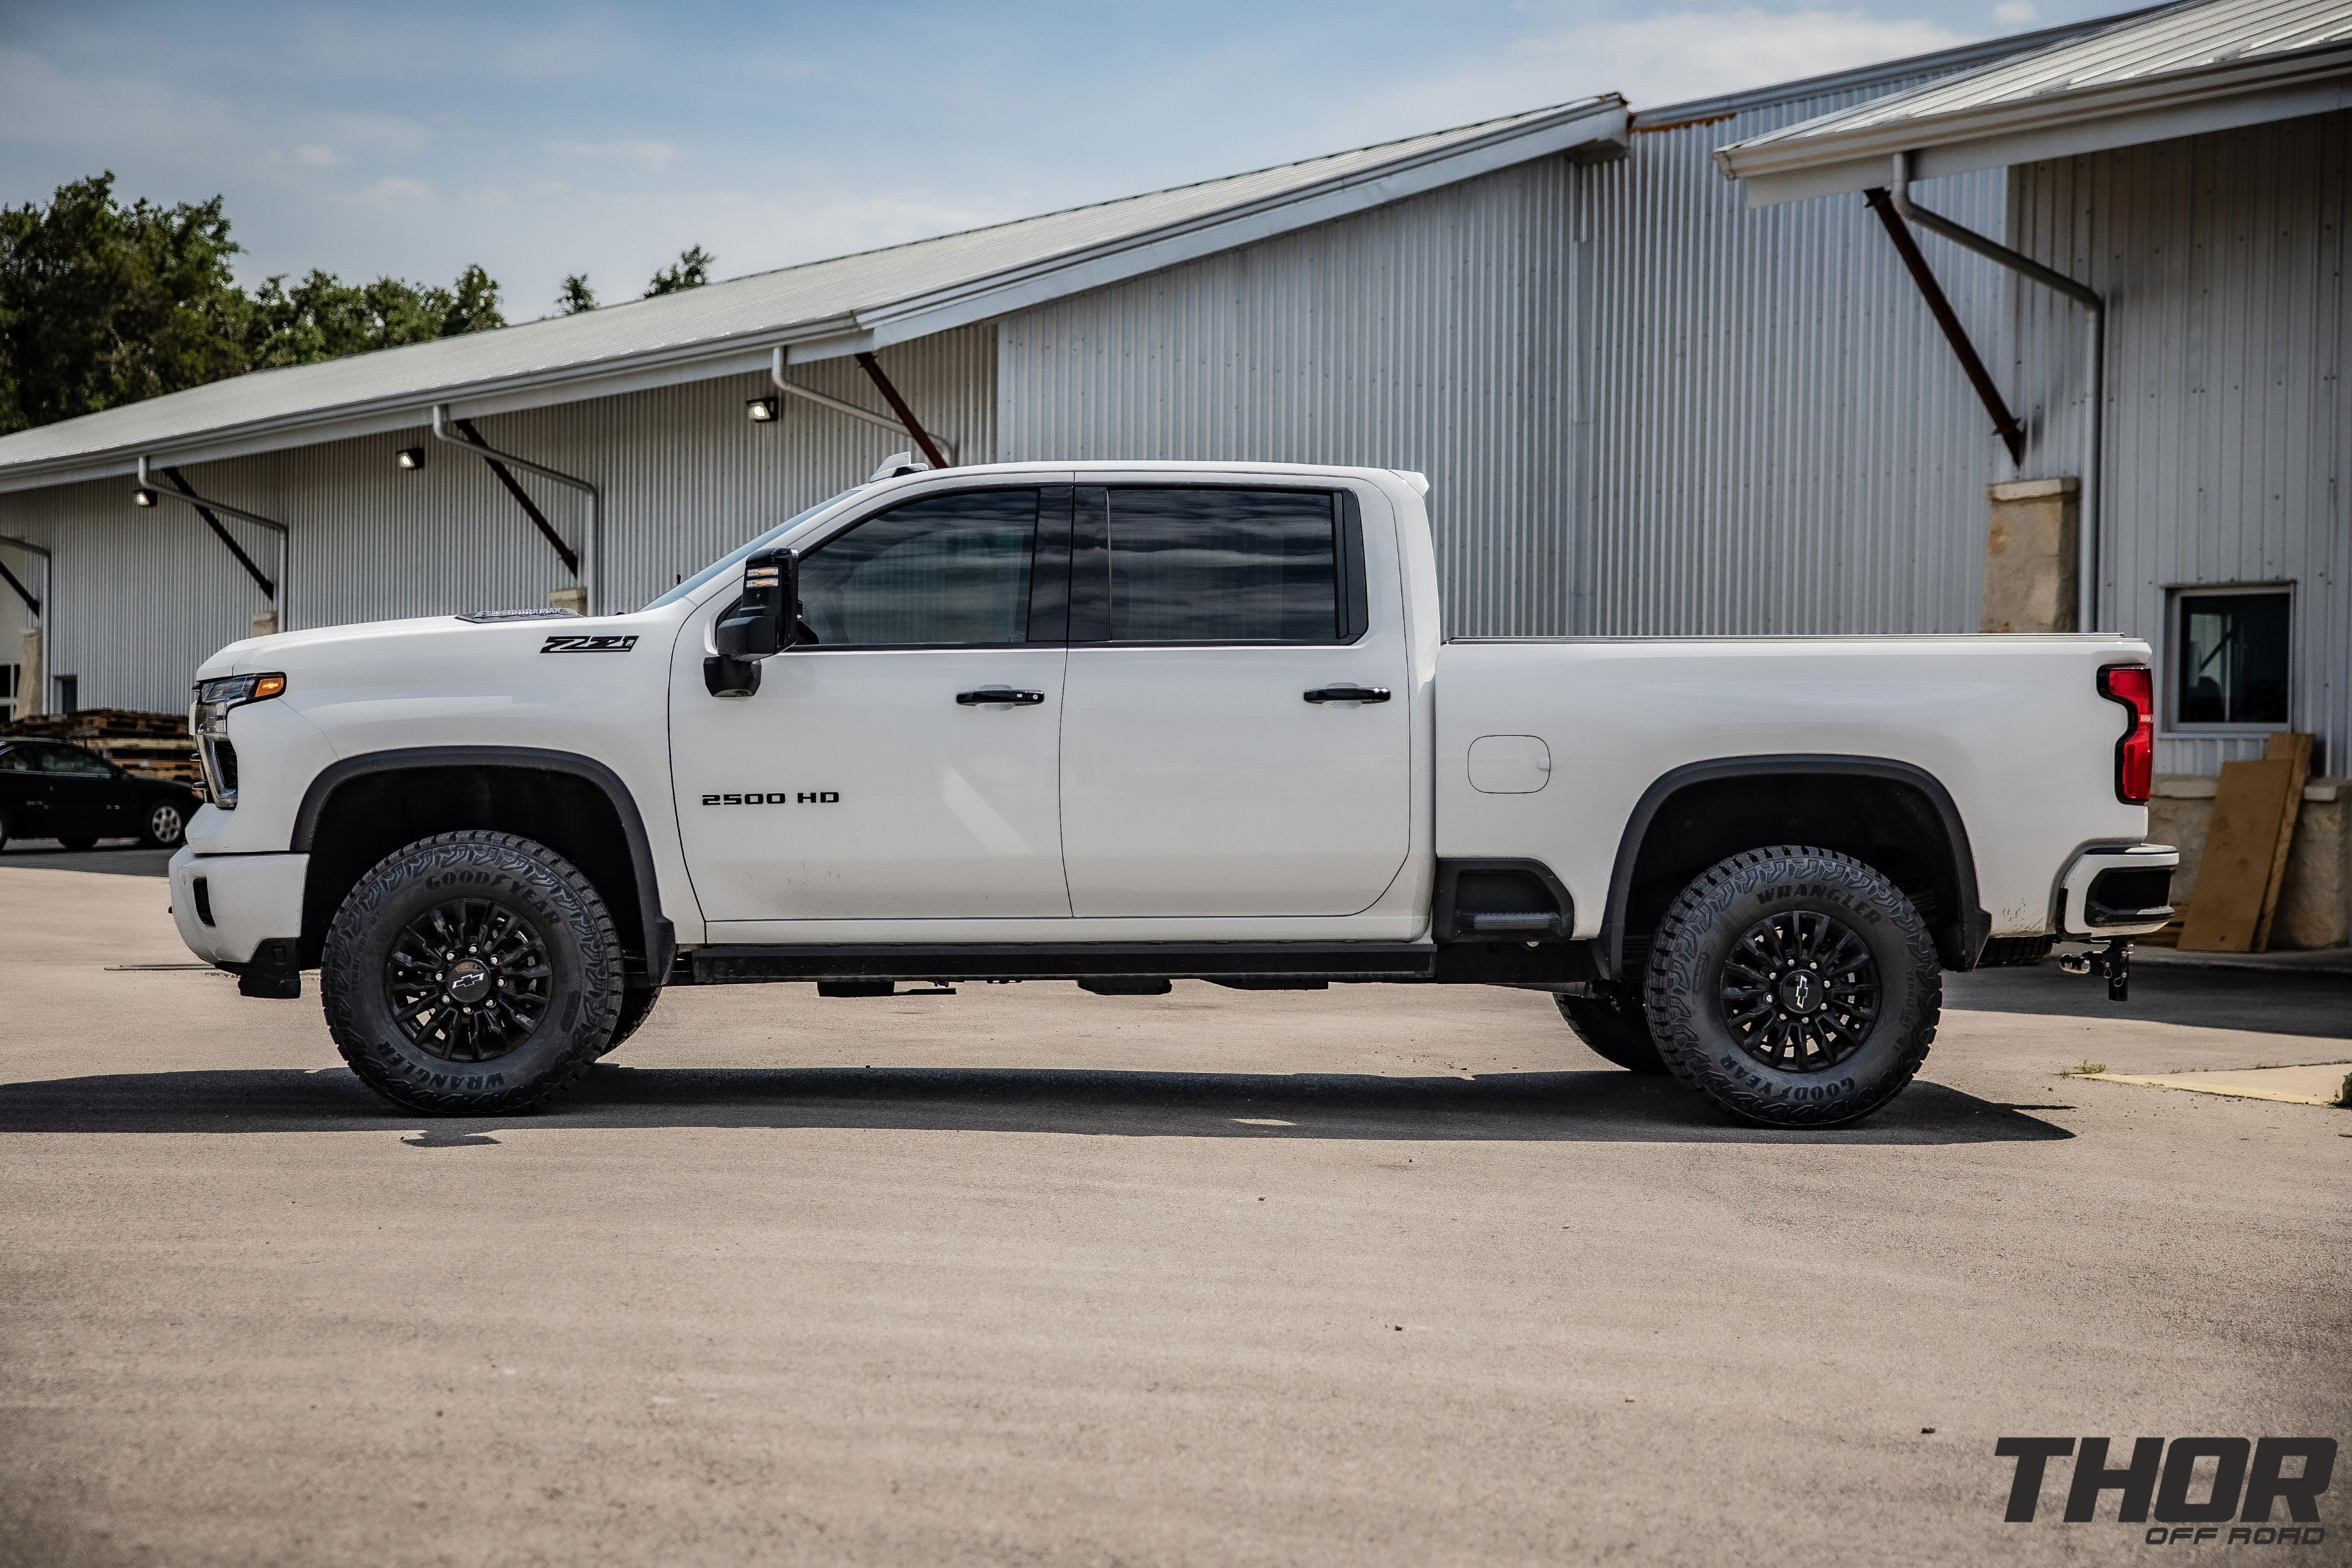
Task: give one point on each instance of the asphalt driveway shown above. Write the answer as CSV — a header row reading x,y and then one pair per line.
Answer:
x,y
1386,1274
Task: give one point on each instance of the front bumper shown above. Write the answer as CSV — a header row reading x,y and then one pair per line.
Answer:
x,y
2121,891
227,906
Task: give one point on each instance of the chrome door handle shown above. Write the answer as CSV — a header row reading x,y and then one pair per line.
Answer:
x,y
999,697
1348,694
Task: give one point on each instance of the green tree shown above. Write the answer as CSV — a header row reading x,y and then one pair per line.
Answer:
x,y
103,304
692,270
323,317
575,295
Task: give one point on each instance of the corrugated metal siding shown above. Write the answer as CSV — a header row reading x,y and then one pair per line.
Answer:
x,y
144,596
1780,441
1428,335
1761,432
2228,434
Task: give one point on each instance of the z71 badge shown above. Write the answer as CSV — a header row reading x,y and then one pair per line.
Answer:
x,y
588,645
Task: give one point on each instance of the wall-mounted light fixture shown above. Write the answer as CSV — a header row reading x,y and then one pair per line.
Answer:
x,y
143,497
409,457
762,409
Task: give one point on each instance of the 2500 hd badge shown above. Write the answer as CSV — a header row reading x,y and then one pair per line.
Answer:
x,y
777,798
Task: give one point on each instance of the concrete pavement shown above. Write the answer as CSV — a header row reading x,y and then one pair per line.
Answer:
x,y
1386,1274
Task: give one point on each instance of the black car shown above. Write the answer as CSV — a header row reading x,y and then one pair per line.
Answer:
x,y
49,789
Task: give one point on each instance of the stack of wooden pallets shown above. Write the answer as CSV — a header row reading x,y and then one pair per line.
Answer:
x,y
155,745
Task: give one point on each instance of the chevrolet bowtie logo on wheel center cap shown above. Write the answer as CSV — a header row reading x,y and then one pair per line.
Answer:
x,y
469,981
1800,992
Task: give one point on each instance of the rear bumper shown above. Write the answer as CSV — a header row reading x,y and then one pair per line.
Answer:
x,y
227,906
2117,892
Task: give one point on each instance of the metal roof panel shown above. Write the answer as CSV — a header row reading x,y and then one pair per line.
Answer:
x,y
2192,54
826,306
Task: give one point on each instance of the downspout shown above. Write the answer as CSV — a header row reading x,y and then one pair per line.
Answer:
x,y
280,598
2095,311
590,554
776,374
40,616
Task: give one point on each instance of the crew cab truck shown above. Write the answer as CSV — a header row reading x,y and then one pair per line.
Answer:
x,y
1125,723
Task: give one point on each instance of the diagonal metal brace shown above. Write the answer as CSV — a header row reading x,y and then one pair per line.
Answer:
x,y
23,593
2004,424
570,556
204,510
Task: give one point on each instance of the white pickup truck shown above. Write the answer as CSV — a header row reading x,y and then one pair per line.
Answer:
x,y
1124,723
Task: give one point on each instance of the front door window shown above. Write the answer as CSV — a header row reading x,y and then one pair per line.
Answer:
x,y
871,777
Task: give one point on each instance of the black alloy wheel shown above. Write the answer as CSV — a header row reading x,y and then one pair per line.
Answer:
x,y
1794,987
1800,991
472,973
468,979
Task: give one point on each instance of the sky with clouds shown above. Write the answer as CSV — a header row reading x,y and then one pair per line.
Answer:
x,y
542,140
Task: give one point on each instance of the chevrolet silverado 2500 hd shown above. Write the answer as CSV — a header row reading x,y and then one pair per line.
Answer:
x,y
1120,723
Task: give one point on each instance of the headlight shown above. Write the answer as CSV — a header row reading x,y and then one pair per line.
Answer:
x,y
232,690
209,720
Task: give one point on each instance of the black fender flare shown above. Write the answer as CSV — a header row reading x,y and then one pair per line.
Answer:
x,y
661,936
1975,924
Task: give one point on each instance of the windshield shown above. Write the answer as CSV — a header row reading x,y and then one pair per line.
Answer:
x,y
732,561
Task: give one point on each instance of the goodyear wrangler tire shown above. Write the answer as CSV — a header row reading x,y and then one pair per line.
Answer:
x,y
1793,986
471,972
1613,1022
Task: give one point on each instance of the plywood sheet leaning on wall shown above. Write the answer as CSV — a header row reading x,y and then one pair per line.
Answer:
x,y
2245,852
2294,749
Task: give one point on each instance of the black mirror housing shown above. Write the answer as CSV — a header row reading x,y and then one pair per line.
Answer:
x,y
758,623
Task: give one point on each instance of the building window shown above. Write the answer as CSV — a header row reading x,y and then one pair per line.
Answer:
x,y
8,693
2231,654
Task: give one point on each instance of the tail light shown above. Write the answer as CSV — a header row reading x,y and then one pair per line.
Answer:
x,y
2133,687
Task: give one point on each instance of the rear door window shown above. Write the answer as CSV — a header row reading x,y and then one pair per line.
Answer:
x,y
1203,565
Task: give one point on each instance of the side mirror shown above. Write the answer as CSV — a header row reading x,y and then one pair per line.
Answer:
x,y
756,626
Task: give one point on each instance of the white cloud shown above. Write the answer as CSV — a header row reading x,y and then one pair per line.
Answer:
x,y
316,155
1657,60
395,190
2016,12
654,155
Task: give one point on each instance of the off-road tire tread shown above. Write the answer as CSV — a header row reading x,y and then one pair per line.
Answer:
x,y
1674,988
1616,1027
528,861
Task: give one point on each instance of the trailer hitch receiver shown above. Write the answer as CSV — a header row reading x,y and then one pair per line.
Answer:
x,y
2111,960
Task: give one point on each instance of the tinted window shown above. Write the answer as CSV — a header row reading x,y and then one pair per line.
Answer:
x,y
2232,663
953,569
71,759
1224,566
16,760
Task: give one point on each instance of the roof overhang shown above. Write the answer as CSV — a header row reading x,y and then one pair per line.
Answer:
x,y
1792,168
1595,126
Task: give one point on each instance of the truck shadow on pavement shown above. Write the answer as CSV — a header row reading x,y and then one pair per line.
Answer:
x,y
1537,1107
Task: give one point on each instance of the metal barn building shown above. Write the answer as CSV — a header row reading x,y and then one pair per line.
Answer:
x,y
1649,398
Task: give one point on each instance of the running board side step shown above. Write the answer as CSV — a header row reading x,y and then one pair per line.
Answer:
x,y
738,965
